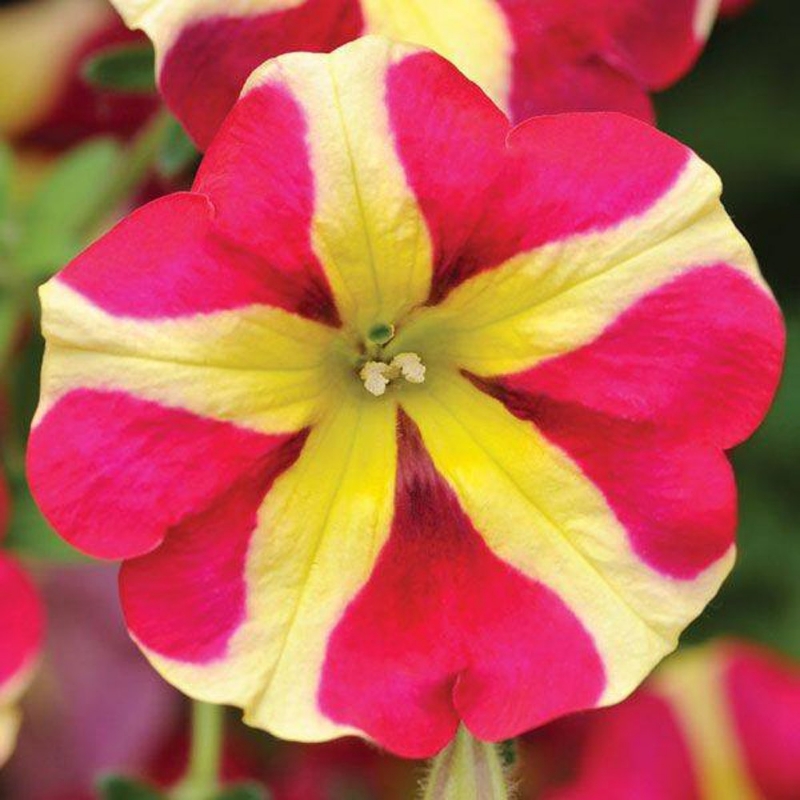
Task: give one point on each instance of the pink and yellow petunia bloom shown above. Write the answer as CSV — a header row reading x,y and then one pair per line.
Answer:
x,y
401,417
530,57
21,629
716,722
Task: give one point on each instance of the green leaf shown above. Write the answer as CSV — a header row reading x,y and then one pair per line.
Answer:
x,y
55,221
6,170
123,68
243,791
115,787
177,153
30,535
8,326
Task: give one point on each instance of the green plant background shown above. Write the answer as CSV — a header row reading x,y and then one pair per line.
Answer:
x,y
740,110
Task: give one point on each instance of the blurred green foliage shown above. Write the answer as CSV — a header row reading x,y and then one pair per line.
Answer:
x,y
115,787
740,110
126,68
39,233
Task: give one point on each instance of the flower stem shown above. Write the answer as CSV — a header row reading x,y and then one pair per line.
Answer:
x,y
467,767
202,779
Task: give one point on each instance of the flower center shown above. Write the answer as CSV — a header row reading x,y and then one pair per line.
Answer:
x,y
378,372
377,375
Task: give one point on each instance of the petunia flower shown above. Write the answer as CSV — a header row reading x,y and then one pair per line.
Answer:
x,y
530,57
522,519
44,99
21,628
716,722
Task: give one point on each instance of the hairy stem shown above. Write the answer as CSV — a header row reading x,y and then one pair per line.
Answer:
x,y
467,767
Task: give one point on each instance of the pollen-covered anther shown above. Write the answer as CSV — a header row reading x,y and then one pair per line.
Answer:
x,y
377,375
410,366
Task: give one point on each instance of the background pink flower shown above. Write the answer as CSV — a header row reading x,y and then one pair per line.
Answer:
x,y
720,721
530,57
21,631
96,706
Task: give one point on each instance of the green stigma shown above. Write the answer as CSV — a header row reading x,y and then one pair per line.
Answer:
x,y
381,334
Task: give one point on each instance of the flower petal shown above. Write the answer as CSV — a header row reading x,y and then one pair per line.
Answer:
x,y
258,367
763,692
634,750
167,377
475,35
186,599
114,473
367,228
530,58
580,55
672,286
172,258
552,81
207,50
577,193
659,40
10,720
716,721
448,136
693,684
540,514
675,497
22,624
318,533
436,635
702,354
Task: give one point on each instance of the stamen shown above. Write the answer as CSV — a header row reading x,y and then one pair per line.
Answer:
x,y
410,366
375,375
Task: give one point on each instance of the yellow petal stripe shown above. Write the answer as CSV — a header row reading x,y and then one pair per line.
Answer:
x,y
693,682
163,20
473,34
557,298
10,716
537,512
319,533
10,719
368,229
705,15
260,367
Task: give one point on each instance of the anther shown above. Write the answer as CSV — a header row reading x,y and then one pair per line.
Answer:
x,y
410,366
377,375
